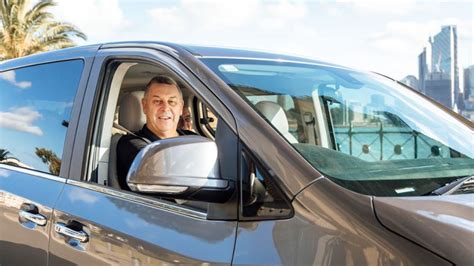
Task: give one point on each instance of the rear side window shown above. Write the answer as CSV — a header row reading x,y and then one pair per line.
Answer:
x,y
35,107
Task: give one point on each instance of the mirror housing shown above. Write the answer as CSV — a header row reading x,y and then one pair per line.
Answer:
x,y
185,167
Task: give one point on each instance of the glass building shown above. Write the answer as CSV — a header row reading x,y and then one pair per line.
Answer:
x,y
438,68
469,82
422,70
468,108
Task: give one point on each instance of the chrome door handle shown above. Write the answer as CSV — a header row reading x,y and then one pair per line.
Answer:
x,y
62,229
35,218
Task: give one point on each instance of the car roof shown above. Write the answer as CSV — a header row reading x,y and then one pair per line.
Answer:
x,y
218,52
208,51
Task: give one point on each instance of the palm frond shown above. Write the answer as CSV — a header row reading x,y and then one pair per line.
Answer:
x,y
25,31
58,28
38,14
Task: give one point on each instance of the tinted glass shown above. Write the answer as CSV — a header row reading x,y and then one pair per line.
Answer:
x,y
35,106
362,130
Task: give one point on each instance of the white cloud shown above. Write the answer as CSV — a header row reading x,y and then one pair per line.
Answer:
x,y
403,36
100,20
136,223
206,16
11,78
4,173
279,26
392,44
282,17
167,17
218,15
397,7
84,196
21,119
287,10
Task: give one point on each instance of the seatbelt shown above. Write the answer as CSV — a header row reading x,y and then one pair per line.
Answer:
x,y
117,126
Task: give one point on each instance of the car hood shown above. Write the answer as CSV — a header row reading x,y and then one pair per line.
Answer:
x,y
442,224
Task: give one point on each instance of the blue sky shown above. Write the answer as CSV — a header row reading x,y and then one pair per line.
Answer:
x,y
33,109
383,36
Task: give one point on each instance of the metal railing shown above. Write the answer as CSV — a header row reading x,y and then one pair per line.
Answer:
x,y
387,142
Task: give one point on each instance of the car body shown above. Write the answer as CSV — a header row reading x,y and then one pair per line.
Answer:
x,y
301,171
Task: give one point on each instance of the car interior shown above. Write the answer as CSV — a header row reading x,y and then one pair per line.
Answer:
x,y
121,112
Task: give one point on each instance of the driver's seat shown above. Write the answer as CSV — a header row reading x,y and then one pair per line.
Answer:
x,y
130,119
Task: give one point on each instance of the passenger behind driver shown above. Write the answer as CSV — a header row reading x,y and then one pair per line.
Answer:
x,y
186,121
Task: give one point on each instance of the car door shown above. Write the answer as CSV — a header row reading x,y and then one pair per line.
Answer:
x,y
96,224
39,105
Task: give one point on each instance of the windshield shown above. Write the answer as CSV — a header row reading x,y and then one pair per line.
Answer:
x,y
361,130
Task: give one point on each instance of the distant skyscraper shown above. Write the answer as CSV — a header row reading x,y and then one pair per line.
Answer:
x,y
438,68
468,107
469,82
422,70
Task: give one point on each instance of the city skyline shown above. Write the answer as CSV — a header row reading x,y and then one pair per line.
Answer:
x,y
439,75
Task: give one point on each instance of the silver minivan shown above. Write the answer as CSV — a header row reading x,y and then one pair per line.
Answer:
x,y
295,162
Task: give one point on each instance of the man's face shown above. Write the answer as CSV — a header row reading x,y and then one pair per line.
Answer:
x,y
163,105
187,121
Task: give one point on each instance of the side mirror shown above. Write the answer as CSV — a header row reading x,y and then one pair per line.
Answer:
x,y
185,167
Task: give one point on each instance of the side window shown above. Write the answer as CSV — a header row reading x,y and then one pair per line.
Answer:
x,y
120,117
35,107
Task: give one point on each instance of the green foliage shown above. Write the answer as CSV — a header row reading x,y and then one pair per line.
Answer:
x,y
50,158
27,31
4,154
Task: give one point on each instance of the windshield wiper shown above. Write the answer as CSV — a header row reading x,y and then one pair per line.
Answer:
x,y
449,187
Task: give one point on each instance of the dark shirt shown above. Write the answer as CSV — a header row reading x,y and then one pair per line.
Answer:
x,y
130,145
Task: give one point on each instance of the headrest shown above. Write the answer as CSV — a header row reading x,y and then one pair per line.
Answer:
x,y
275,114
131,114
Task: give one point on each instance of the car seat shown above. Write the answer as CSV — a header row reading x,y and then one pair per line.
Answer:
x,y
275,114
130,119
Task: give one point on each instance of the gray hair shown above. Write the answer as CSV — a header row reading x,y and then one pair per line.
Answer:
x,y
163,80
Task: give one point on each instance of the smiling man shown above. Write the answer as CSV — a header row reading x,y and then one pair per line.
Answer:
x,y
162,105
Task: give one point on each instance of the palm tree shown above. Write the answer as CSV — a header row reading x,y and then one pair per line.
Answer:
x,y
49,158
27,31
5,159
4,154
